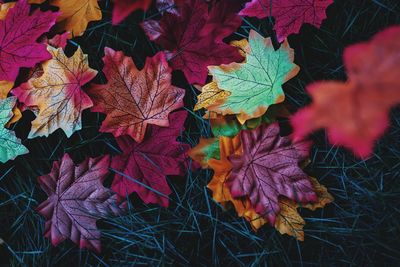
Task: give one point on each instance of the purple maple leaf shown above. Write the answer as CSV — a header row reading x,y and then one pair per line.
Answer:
x,y
77,198
269,168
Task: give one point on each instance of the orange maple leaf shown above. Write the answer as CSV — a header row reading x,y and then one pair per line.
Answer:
x,y
75,14
132,99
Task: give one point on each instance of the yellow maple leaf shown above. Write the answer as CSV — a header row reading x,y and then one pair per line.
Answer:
x,y
210,95
76,14
56,96
289,220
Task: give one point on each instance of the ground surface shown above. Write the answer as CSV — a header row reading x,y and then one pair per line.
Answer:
x,y
360,228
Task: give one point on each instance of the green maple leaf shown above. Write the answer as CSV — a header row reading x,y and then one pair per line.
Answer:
x,y
10,145
257,83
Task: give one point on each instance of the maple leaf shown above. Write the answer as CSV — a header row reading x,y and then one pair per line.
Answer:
x,y
10,146
18,34
257,83
289,221
122,8
355,112
211,95
193,39
289,15
142,167
76,199
269,168
214,153
219,186
57,94
132,99
76,15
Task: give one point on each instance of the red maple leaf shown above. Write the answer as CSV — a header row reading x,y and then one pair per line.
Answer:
x,y
193,38
132,99
269,168
76,199
355,112
289,15
18,39
122,8
142,167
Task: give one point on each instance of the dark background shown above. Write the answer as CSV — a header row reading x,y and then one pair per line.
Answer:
x,y
361,228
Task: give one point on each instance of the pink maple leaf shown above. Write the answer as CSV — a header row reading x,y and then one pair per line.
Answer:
x,y
355,113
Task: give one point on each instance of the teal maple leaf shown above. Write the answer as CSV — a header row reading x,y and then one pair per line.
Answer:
x,y
10,145
255,84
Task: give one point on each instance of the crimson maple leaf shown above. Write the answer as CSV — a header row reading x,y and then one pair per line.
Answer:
x,y
76,199
355,112
122,8
18,39
269,168
193,38
142,167
132,99
289,15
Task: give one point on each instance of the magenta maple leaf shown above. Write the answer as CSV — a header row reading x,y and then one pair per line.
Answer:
x,y
18,39
289,15
269,168
193,38
77,198
142,167
122,8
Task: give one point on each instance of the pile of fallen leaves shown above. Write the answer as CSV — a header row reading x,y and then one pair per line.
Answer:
x,y
257,170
